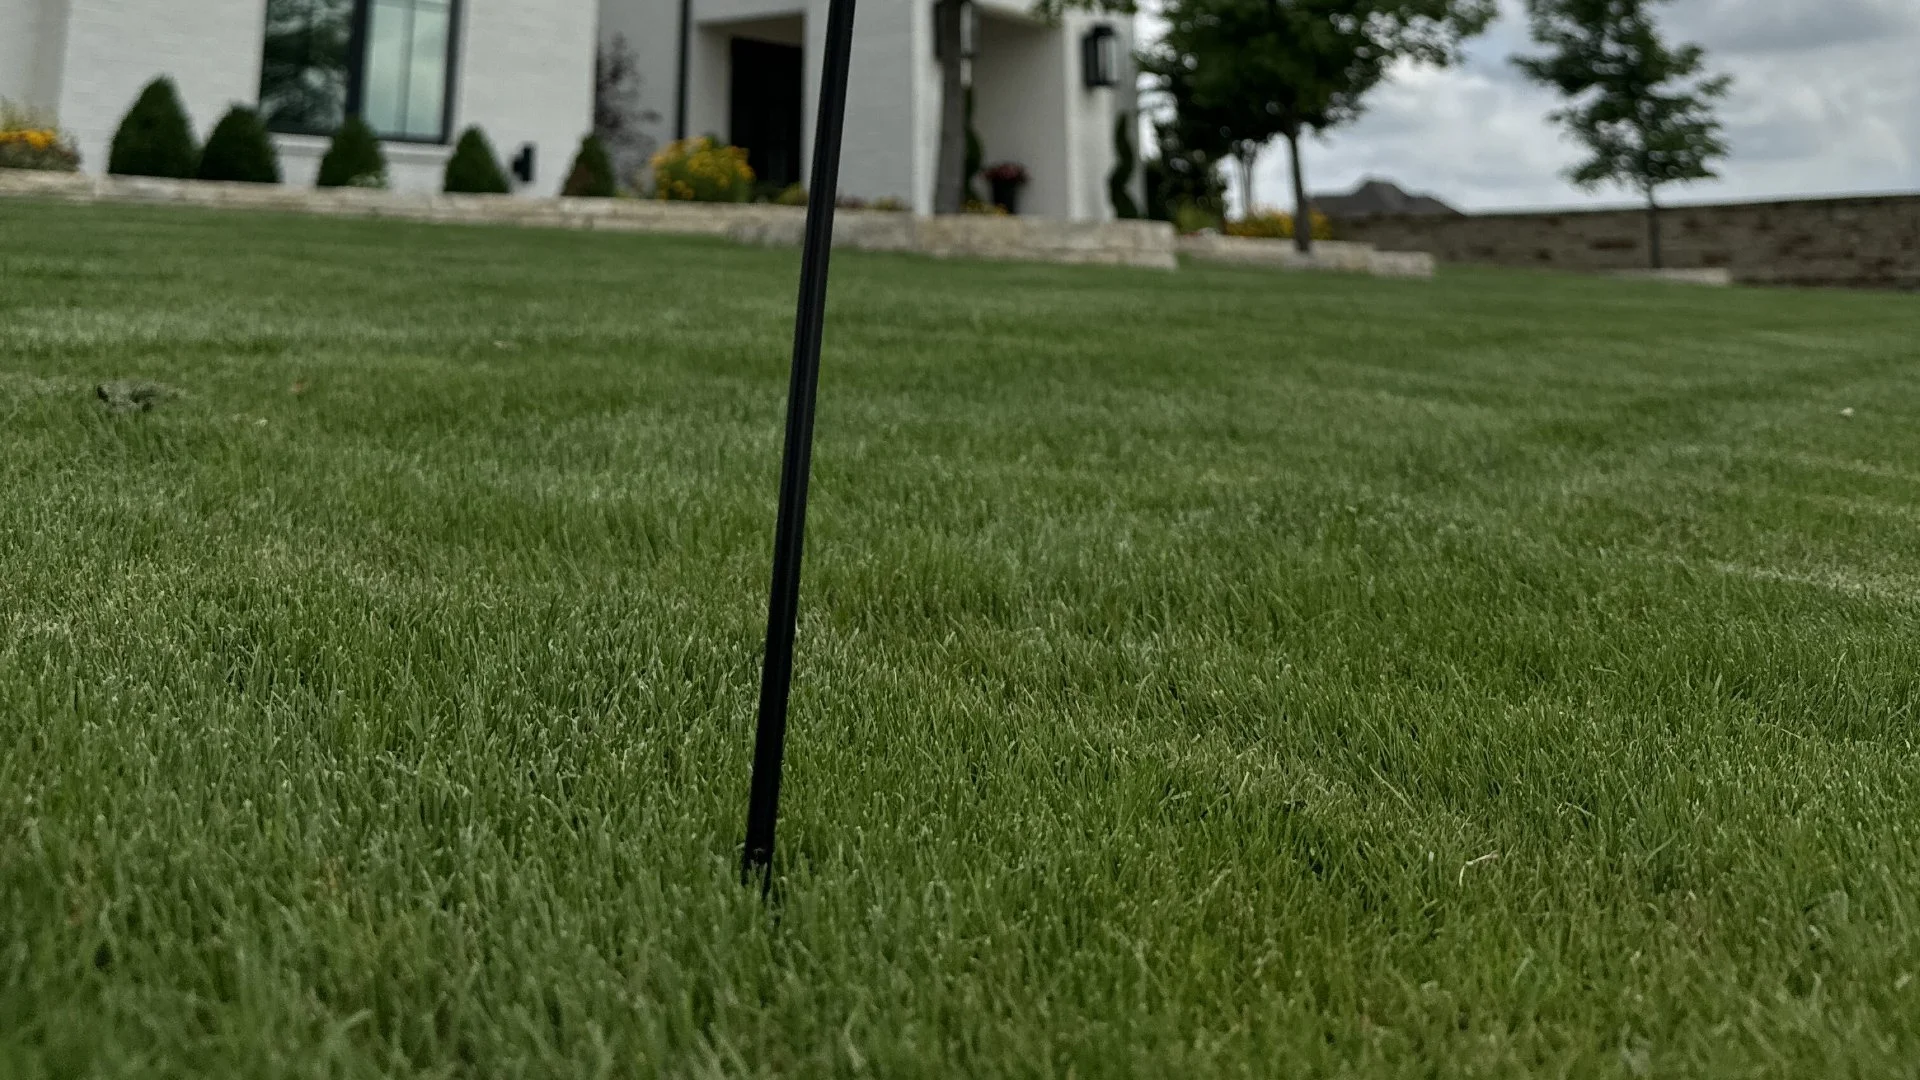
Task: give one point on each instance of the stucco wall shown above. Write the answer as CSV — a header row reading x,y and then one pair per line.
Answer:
x,y
1869,241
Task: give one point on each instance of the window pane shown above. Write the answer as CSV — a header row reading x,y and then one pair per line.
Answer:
x,y
406,72
427,82
384,102
303,65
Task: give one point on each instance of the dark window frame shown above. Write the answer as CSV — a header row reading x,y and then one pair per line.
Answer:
x,y
359,23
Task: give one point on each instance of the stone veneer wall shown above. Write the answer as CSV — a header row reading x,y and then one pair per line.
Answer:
x,y
1115,243
1870,241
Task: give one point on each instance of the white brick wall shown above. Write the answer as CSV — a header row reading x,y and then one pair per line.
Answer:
x,y
524,74
211,48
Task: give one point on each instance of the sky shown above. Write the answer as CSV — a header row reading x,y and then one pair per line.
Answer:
x,y
1825,100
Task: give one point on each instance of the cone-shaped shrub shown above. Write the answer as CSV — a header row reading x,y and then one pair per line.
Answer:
x,y
473,169
592,174
155,138
353,158
240,149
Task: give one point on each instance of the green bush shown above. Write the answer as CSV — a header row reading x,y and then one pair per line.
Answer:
x,y
353,158
1191,218
473,170
794,195
155,138
976,158
702,170
1120,180
240,149
592,172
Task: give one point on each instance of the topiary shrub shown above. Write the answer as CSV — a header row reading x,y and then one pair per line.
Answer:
x,y
592,173
702,170
1120,180
473,170
240,149
976,158
155,138
353,159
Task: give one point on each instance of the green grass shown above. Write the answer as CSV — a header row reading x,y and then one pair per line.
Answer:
x,y
1211,674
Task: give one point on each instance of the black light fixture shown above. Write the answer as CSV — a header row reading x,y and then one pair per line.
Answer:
x,y
523,163
969,30
1100,57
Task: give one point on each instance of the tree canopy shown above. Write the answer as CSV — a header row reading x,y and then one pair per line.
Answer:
x,y
1643,110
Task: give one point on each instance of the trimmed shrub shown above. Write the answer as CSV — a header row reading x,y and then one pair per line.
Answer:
x,y
1190,218
353,158
794,195
240,149
29,140
473,170
592,173
1121,178
702,170
1277,225
155,138
976,158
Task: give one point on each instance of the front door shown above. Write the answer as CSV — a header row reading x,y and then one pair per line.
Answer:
x,y
766,110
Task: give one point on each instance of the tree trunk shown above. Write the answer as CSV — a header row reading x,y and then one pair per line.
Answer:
x,y
1245,159
1653,231
950,181
1302,206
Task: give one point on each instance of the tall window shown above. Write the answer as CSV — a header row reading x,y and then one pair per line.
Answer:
x,y
389,61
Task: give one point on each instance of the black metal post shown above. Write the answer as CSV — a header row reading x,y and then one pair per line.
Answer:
x,y
783,602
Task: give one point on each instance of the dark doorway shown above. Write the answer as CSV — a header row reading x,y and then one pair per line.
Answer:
x,y
766,110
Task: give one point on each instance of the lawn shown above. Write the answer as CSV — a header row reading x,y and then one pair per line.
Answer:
x,y
1206,674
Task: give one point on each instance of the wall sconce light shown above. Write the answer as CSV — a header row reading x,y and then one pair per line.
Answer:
x,y
1100,56
523,163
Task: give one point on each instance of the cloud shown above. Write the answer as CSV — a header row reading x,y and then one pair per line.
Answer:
x,y
1825,100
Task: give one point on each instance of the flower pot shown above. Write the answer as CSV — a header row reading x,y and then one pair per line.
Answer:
x,y
1006,194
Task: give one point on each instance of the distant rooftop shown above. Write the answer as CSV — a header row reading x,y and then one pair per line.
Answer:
x,y
1379,197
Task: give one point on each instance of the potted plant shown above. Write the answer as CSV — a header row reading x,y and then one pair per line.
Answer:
x,y
1007,178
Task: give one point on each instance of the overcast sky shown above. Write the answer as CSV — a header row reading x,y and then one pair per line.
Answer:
x,y
1825,100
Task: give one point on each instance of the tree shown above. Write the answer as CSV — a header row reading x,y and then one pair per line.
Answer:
x,y
155,138
240,149
1120,180
1643,109
619,122
1262,69
1192,142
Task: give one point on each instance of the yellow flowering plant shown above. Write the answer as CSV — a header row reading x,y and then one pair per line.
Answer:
x,y
28,141
702,170
1276,225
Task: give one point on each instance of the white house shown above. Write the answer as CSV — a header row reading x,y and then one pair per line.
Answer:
x,y
747,71
419,70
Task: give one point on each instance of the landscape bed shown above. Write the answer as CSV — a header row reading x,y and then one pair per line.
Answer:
x,y
1228,673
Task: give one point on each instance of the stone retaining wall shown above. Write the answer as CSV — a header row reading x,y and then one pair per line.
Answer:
x,y
1871,241
1337,255
1116,243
